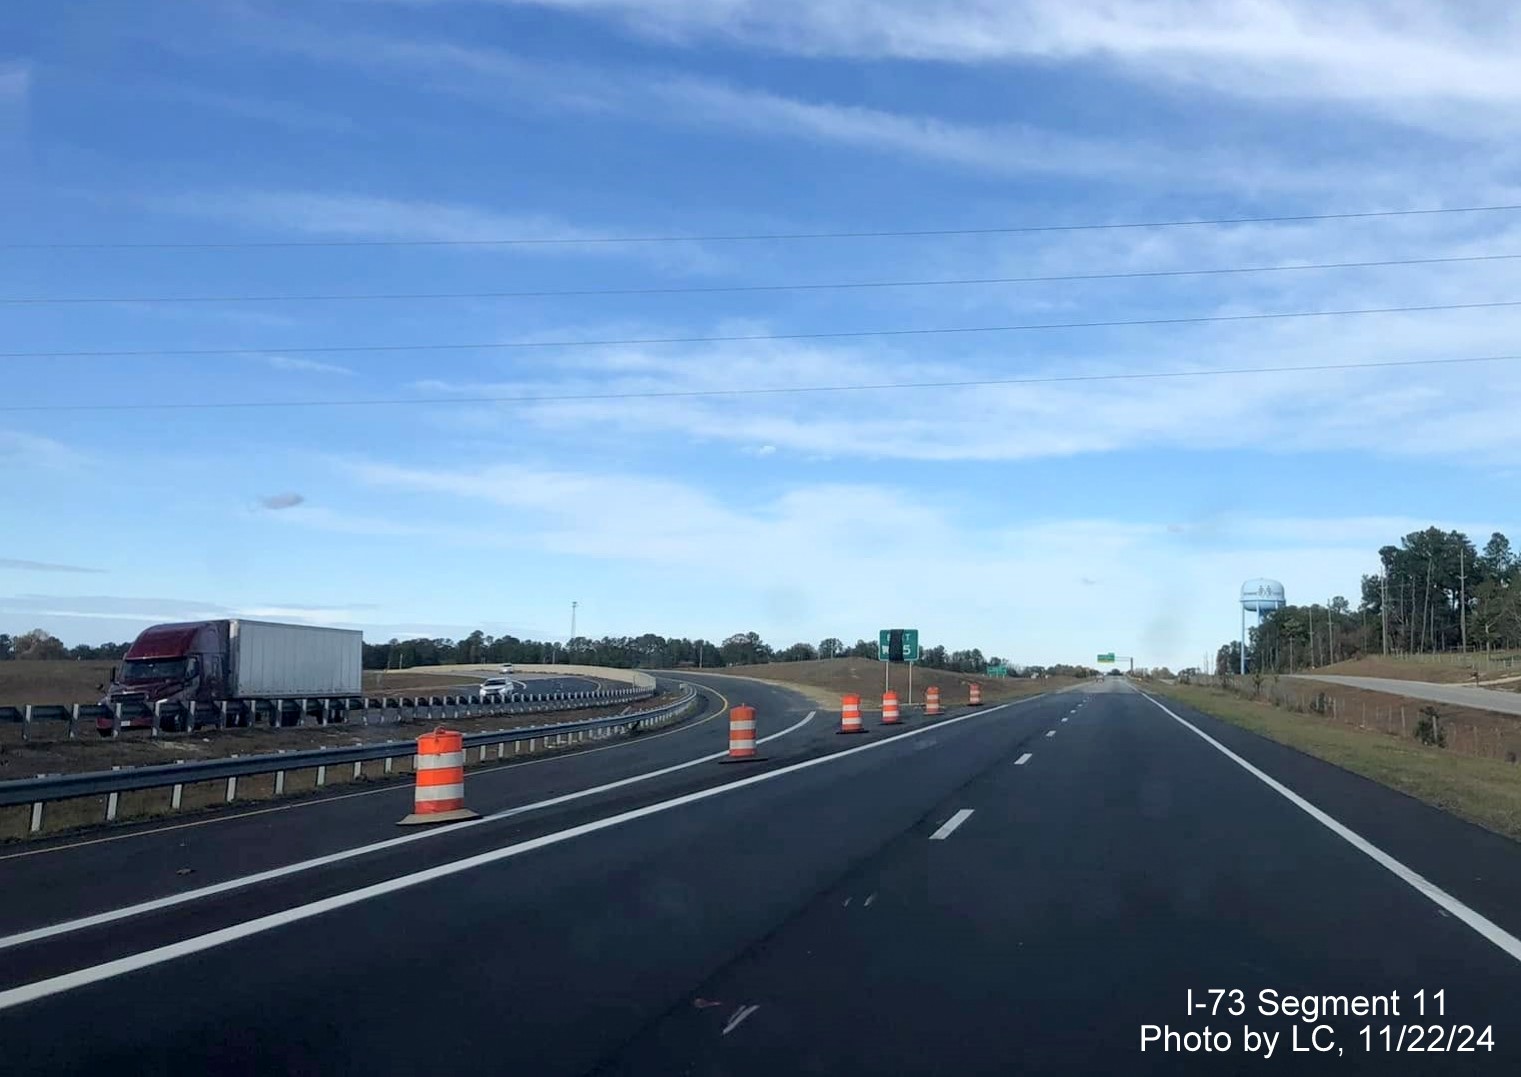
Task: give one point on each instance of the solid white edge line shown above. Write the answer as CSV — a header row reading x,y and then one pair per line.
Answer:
x,y
112,915
1022,760
948,827
68,981
1480,923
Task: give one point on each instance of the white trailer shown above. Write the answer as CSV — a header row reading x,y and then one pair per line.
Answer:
x,y
271,660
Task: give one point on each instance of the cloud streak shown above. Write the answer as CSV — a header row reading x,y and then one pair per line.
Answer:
x,y
20,565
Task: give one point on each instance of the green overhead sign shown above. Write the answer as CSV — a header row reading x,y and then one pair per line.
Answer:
x,y
998,671
898,645
1106,657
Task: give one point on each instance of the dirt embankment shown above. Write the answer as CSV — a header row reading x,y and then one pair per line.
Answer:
x,y
824,681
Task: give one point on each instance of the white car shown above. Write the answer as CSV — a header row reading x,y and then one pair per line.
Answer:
x,y
497,688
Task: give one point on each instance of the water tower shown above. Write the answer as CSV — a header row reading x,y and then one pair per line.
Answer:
x,y
1259,597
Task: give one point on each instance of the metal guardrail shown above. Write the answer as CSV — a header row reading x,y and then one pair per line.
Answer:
x,y
190,717
38,791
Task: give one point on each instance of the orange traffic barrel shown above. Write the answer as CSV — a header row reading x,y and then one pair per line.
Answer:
x,y
850,715
975,694
932,700
440,792
890,708
741,734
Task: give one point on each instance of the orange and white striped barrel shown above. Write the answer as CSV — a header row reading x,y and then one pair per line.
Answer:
x,y
850,715
932,700
742,732
439,796
974,692
890,708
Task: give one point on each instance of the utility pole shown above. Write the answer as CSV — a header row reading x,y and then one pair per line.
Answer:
x,y
1383,606
1330,635
1463,592
573,606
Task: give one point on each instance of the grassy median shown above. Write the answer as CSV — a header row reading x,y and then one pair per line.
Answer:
x,y
1483,791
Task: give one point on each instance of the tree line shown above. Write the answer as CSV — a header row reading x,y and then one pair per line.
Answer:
x,y
650,651
1435,591
38,645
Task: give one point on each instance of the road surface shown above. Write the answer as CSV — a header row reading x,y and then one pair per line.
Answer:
x,y
1021,889
1457,695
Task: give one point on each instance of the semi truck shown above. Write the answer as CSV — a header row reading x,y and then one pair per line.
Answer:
x,y
206,661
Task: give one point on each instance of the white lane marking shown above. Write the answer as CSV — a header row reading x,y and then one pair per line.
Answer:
x,y
1050,732
397,788
871,899
1444,901
54,985
68,926
737,1018
845,904
1064,717
1022,760
948,827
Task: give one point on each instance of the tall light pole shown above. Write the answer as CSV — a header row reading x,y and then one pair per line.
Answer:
x,y
573,606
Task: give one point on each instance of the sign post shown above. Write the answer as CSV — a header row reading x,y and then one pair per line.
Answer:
x,y
898,645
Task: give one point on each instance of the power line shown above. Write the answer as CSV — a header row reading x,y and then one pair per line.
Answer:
x,y
567,241
754,337
733,288
676,394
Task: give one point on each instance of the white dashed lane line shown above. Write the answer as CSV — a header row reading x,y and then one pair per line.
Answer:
x,y
1050,732
1022,760
949,826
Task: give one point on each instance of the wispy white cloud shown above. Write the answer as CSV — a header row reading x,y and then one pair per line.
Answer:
x,y
271,110
19,565
328,215
15,83
305,366
499,79
1355,50
26,451
794,584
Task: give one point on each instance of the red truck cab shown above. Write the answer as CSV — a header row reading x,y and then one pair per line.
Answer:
x,y
180,662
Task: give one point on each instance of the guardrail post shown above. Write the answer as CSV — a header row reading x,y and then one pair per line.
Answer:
x,y
73,718
158,717
116,720
36,823
222,714
26,724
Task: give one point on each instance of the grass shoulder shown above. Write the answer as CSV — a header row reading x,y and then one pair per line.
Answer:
x,y
1483,791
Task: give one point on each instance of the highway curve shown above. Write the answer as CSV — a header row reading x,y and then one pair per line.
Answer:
x,y
1020,889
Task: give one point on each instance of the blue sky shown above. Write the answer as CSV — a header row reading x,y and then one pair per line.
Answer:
x,y
1040,522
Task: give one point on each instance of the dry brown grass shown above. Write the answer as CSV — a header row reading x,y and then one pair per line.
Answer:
x,y
1483,790
1469,730
89,751
1411,669
824,681
52,682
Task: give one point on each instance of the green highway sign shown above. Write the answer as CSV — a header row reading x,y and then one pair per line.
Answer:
x,y
998,671
1106,657
898,645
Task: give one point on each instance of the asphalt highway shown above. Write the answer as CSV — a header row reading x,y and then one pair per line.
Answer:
x,y
1021,889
